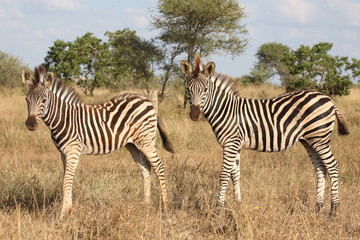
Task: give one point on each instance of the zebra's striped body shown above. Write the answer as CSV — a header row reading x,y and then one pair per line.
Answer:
x,y
267,125
77,128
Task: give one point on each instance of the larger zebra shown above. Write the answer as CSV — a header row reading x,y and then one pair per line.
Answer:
x,y
76,128
267,125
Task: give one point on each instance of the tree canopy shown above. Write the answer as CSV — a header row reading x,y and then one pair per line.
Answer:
x,y
10,70
189,27
269,56
314,68
201,26
124,60
133,57
308,67
80,61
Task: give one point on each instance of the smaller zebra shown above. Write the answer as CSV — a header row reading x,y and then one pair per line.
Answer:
x,y
77,128
267,125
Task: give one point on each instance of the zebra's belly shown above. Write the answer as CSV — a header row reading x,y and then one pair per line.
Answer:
x,y
270,144
101,147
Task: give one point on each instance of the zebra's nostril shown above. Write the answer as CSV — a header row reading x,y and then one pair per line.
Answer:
x,y
195,112
31,123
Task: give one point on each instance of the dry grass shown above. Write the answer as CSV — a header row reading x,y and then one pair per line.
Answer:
x,y
278,188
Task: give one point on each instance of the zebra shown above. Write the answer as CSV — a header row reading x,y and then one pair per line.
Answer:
x,y
267,125
77,128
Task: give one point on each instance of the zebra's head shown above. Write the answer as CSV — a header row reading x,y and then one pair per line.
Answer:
x,y
197,85
37,97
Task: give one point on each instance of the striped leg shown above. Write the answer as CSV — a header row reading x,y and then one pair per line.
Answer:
x,y
235,176
320,173
332,168
63,159
145,169
327,158
229,157
72,154
157,165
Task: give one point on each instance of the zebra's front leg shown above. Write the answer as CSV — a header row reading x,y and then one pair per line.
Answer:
x,y
235,176
72,154
229,157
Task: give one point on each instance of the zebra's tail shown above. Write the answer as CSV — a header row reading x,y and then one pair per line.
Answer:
x,y
343,127
155,101
164,137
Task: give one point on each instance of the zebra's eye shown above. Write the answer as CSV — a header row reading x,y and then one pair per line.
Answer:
x,y
44,100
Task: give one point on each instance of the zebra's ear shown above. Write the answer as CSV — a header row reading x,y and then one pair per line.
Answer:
x,y
186,68
209,69
49,80
26,78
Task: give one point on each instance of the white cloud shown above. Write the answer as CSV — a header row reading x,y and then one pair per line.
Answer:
x,y
299,10
139,20
347,9
15,25
62,5
10,8
137,16
135,11
55,31
40,33
2,13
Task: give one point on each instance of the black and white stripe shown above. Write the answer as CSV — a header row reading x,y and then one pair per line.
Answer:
x,y
267,125
76,128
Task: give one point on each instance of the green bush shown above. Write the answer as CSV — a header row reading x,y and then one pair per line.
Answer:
x,y
10,70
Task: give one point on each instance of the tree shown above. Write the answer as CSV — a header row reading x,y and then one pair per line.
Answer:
x,y
10,70
270,56
170,53
258,75
314,68
133,57
203,26
83,60
94,58
63,60
200,26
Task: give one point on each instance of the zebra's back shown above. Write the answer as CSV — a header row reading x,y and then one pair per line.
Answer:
x,y
277,123
128,118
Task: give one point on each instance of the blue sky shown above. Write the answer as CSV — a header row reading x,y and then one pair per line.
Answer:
x,y
29,27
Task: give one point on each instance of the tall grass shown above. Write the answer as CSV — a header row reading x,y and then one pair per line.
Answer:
x,y
278,189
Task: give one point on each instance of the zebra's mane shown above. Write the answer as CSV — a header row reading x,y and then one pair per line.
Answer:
x,y
222,80
226,82
65,92
61,90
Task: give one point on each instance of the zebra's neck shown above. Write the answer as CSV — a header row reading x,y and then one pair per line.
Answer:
x,y
58,111
221,99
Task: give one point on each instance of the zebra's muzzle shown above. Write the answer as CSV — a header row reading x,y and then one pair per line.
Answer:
x,y
195,112
31,123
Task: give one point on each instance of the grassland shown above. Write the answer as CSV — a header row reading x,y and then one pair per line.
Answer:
x,y
278,189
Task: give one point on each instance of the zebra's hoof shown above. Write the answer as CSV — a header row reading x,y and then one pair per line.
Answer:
x,y
334,207
318,207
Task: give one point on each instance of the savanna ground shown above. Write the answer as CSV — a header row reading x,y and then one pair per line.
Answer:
x,y
278,189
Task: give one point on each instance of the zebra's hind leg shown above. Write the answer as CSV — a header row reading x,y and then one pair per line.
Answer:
x,y
320,171
145,169
151,155
332,168
327,159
